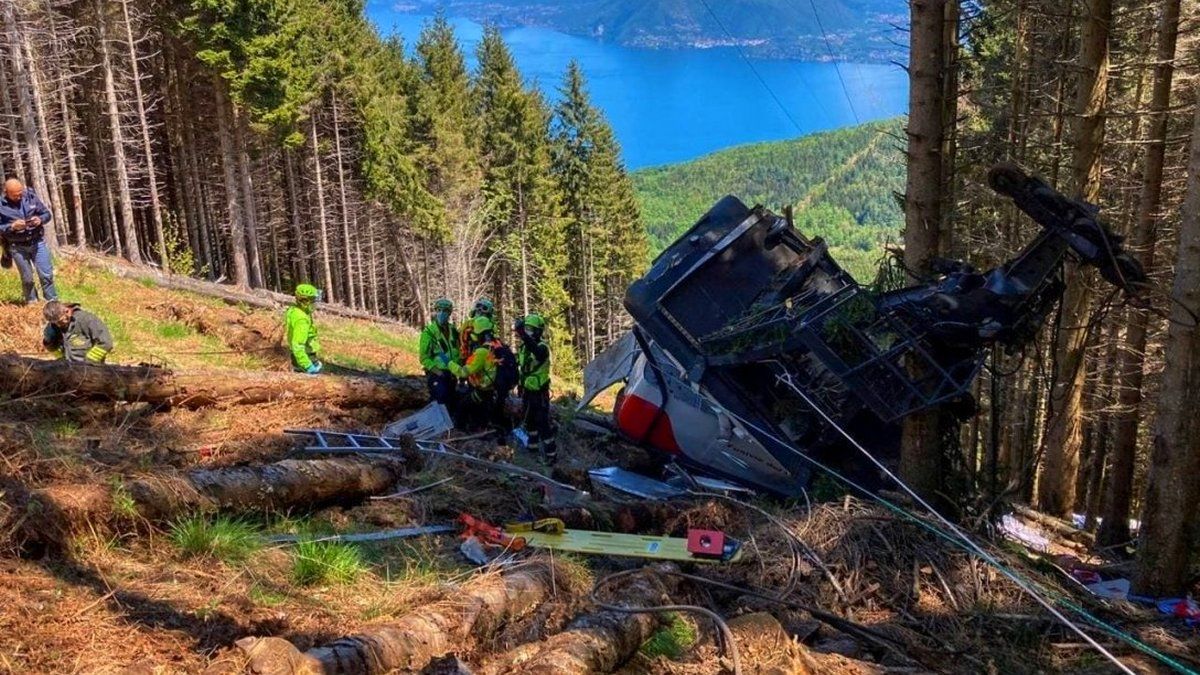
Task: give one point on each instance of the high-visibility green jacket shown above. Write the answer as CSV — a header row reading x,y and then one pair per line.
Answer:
x,y
301,334
439,347
481,368
86,338
533,364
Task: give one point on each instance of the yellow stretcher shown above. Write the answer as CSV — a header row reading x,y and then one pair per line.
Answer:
x,y
703,546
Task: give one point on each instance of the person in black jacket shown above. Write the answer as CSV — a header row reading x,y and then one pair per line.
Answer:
x,y
75,334
23,219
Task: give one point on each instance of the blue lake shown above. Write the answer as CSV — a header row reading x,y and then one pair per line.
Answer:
x,y
673,105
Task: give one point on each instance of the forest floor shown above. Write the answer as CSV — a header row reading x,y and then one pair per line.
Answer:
x,y
165,597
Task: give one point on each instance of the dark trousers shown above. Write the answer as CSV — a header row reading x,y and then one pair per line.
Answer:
x,y
538,424
484,410
443,388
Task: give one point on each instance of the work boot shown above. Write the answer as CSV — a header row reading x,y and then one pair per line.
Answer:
x,y
549,451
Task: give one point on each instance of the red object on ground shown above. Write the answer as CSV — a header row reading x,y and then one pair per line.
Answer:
x,y
706,543
487,533
644,421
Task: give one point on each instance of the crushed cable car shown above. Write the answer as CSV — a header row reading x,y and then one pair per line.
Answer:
x,y
753,350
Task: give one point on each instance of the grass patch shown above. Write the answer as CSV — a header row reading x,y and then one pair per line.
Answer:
x,y
325,562
122,502
672,640
172,331
225,539
264,596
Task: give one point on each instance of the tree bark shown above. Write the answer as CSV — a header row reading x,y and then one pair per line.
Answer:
x,y
249,206
117,136
326,270
23,75
1114,529
237,223
147,145
1172,492
61,510
351,296
20,376
1056,486
54,191
476,612
598,642
922,463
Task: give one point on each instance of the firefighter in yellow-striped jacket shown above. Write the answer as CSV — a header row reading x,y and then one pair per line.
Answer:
x,y
75,334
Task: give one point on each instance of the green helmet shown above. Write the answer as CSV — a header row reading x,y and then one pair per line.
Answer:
x,y
483,307
443,305
307,292
535,321
482,324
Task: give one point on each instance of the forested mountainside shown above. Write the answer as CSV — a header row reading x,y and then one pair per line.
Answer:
x,y
270,142
842,183
857,30
1099,98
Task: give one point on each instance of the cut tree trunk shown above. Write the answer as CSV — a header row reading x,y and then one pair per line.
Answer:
x,y
56,512
21,376
478,611
596,642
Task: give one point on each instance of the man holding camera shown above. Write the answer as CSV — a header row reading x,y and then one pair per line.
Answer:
x,y
23,218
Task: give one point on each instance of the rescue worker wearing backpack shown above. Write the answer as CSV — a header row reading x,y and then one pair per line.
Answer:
x,y
483,307
300,331
491,372
533,368
439,352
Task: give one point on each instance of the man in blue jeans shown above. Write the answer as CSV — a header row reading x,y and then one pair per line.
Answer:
x,y
23,218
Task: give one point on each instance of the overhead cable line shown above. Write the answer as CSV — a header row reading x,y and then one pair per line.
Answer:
x,y
836,66
753,69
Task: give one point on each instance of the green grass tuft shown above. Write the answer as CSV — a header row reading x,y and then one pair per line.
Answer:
x,y
672,640
226,539
265,596
122,501
173,331
325,562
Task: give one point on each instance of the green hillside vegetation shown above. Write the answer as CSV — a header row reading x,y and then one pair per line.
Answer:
x,y
842,184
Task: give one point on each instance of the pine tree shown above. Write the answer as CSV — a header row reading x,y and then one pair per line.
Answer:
x,y
520,197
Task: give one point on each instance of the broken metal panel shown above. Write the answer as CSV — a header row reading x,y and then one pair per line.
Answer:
x,y
634,484
432,421
611,366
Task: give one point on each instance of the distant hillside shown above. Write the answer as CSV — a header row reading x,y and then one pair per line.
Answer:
x,y
841,182
858,30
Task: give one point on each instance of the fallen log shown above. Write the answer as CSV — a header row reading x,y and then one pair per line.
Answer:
x,y
54,513
476,612
232,295
20,376
1060,527
597,642
647,517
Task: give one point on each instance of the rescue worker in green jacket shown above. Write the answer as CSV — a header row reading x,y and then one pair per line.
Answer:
x,y
439,352
75,334
300,331
490,371
533,371
483,307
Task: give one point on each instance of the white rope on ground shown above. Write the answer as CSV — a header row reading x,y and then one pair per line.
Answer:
x,y
970,543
